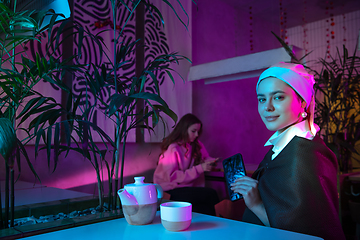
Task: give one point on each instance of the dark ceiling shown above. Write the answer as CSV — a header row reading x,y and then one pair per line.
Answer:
x,y
296,10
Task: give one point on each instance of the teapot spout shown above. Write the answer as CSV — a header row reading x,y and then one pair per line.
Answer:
x,y
126,198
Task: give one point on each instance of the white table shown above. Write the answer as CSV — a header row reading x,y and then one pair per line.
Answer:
x,y
202,227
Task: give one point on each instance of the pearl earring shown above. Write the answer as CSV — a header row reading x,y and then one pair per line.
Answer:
x,y
304,114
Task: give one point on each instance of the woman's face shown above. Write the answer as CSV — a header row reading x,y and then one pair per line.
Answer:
x,y
193,131
278,104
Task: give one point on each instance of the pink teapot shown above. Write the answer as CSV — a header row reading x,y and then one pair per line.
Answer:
x,y
140,201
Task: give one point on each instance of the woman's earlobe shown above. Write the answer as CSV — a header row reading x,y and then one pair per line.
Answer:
x,y
303,105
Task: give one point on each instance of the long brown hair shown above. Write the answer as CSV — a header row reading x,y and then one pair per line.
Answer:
x,y
180,135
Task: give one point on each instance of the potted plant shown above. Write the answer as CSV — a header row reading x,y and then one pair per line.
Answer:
x,y
338,109
126,93
57,128
17,81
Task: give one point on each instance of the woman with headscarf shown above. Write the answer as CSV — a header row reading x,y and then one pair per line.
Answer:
x,y
295,186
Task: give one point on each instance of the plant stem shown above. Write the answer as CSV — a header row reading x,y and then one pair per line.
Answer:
x,y
123,160
1,217
111,206
12,198
99,183
115,190
6,196
118,123
116,183
139,63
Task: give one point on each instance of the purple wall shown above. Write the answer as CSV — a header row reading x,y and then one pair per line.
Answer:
x,y
230,119
228,110
220,31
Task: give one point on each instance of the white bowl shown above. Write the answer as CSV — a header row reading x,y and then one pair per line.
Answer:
x,y
176,216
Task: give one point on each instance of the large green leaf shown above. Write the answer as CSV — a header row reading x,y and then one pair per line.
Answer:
x,y
287,48
22,149
116,101
168,112
149,96
7,138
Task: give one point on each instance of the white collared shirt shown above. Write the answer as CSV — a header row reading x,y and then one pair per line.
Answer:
x,y
280,141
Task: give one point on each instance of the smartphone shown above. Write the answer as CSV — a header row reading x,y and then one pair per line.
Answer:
x,y
234,168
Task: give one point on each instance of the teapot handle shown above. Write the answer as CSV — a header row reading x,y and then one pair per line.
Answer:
x,y
160,193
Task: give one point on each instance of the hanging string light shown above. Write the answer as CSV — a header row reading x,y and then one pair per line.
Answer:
x,y
344,28
332,21
251,39
330,32
327,31
283,20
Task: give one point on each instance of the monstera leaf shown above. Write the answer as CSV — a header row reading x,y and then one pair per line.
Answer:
x,y
7,138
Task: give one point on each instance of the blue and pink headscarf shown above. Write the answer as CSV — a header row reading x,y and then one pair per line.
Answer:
x,y
298,79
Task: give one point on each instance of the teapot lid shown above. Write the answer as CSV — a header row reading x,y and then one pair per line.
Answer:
x,y
139,181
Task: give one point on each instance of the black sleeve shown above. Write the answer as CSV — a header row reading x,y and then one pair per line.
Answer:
x,y
299,189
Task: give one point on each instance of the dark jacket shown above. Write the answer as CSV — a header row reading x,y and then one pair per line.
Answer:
x,y
299,189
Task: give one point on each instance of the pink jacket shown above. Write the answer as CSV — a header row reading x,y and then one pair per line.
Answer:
x,y
175,168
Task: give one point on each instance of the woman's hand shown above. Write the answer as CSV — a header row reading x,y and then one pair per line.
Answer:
x,y
208,166
248,187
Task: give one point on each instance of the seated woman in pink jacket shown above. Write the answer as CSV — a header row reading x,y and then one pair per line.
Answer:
x,y
181,166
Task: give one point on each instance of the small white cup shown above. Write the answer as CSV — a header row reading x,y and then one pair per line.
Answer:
x,y
176,216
